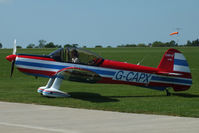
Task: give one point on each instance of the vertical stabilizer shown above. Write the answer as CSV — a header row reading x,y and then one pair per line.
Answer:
x,y
175,66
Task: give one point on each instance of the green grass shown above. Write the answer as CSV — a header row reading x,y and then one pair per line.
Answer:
x,y
123,98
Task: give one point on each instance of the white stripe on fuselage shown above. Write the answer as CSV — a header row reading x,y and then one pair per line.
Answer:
x,y
37,68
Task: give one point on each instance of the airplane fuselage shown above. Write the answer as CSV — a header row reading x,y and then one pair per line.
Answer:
x,y
111,72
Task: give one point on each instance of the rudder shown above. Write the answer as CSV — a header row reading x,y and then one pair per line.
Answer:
x,y
174,64
174,61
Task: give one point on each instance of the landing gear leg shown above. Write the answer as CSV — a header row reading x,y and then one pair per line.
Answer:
x,y
49,84
168,93
54,91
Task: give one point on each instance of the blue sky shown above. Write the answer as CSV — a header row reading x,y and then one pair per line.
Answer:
x,y
97,22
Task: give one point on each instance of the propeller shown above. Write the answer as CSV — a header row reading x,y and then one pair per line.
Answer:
x,y
12,58
13,61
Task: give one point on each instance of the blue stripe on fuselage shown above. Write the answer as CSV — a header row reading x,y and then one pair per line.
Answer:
x,y
172,80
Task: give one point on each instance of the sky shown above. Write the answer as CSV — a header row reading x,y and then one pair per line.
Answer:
x,y
97,22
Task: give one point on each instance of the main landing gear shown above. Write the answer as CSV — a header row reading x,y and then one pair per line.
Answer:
x,y
167,92
52,89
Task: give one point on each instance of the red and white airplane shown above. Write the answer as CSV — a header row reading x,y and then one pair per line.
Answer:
x,y
80,65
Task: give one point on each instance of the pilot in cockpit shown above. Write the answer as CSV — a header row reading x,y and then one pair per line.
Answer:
x,y
75,56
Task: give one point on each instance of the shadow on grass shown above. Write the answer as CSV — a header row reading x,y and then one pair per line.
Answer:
x,y
186,95
92,97
97,98
138,96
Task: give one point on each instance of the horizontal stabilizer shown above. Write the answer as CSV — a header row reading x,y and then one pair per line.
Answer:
x,y
169,73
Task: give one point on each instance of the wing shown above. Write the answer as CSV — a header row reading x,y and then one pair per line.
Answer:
x,y
78,74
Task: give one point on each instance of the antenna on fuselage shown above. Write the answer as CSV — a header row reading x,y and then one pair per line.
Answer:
x,y
140,61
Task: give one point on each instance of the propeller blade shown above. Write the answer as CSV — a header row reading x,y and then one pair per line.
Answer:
x,y
14,47
12,68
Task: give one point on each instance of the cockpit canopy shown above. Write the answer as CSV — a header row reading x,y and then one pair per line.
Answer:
x,y
76,55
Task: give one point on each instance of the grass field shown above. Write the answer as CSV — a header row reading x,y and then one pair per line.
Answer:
x,y
123,98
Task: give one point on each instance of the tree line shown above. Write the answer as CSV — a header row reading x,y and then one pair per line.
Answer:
x,y
172,43
44,44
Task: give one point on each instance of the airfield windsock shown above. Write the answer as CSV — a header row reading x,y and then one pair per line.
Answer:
x,y
174,33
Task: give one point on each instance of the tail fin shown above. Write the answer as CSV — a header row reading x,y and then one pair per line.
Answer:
x,y
175,64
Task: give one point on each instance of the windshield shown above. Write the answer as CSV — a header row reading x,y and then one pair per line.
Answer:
x,y
58,55
77,56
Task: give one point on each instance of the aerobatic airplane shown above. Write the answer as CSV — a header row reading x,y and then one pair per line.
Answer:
x,y
75,64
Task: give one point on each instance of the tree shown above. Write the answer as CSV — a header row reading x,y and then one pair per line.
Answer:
x,y
31,45
172,43
75,45
50,45
98,46
42,43
141,45
127,45
189,43
130,45
1,45
58,46
19,46
121,46
157,44
195,42
67,45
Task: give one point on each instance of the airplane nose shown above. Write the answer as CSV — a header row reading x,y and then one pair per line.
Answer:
x,y
11,57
